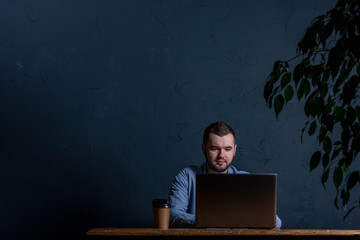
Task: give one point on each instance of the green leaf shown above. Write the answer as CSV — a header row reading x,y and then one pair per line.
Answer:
x,y
337,177
307,109
326,76
276,73
270,101
339,113
355,146
340,79
314,106
327,145
348,213
328,120
312,128
285,79
303,130
322,135
313,96
324,89
335,153
289,93
306,85
318,106
267,90
315,74
348,160
309,39
353,179
325,176
350,115
298,73
328,30
341,162
315,160
300,92
304,89
325,160
345,195
278,104
357,110
350,89
336,56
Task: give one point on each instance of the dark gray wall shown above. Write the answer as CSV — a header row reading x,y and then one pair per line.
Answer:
x,y
102,102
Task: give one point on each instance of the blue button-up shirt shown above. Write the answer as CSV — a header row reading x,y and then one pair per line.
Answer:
x,y
182,196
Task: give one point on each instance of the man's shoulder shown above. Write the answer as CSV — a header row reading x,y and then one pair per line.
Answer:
x,y
232,169
198,169
187,175
192,170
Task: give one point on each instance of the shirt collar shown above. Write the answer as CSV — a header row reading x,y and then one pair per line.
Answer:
x,y
230,169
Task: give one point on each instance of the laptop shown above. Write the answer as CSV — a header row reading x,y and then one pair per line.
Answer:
x,y
235,200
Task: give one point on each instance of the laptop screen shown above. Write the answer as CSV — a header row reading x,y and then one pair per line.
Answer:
x,y
235,200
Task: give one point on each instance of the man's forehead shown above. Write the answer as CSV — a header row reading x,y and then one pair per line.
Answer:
x,y
228,138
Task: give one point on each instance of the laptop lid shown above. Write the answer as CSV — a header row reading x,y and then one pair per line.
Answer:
x,y
235,200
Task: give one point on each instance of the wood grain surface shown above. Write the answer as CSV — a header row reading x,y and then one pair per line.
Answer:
x,y
224,232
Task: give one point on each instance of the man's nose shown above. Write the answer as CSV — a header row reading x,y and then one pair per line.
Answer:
x,y
221,153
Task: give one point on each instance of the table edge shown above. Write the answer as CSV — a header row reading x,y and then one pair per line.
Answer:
x,y
219,232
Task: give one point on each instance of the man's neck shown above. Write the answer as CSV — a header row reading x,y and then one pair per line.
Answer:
x,y
209,170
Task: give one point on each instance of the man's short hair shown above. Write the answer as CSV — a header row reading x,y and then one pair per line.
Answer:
x,y
219,128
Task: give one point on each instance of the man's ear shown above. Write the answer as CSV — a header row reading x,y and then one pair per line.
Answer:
x,y
203,148
235,149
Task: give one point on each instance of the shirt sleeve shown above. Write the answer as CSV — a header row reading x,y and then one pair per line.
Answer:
x,y
278,222
179,196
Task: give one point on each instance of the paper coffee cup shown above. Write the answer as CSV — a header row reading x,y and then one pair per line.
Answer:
x,y
161,209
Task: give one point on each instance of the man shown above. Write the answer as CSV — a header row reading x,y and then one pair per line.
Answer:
x,y
219,149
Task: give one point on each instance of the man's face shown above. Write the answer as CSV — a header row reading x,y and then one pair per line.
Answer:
x,y
219,153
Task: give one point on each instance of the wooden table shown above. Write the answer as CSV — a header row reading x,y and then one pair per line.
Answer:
x,y
193,233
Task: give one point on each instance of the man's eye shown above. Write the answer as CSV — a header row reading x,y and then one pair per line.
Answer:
x,y
228,149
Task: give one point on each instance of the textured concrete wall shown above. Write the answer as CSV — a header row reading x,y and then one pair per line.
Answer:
x,y
102,102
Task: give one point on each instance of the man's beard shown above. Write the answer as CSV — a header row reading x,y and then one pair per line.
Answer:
x,y
217,168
